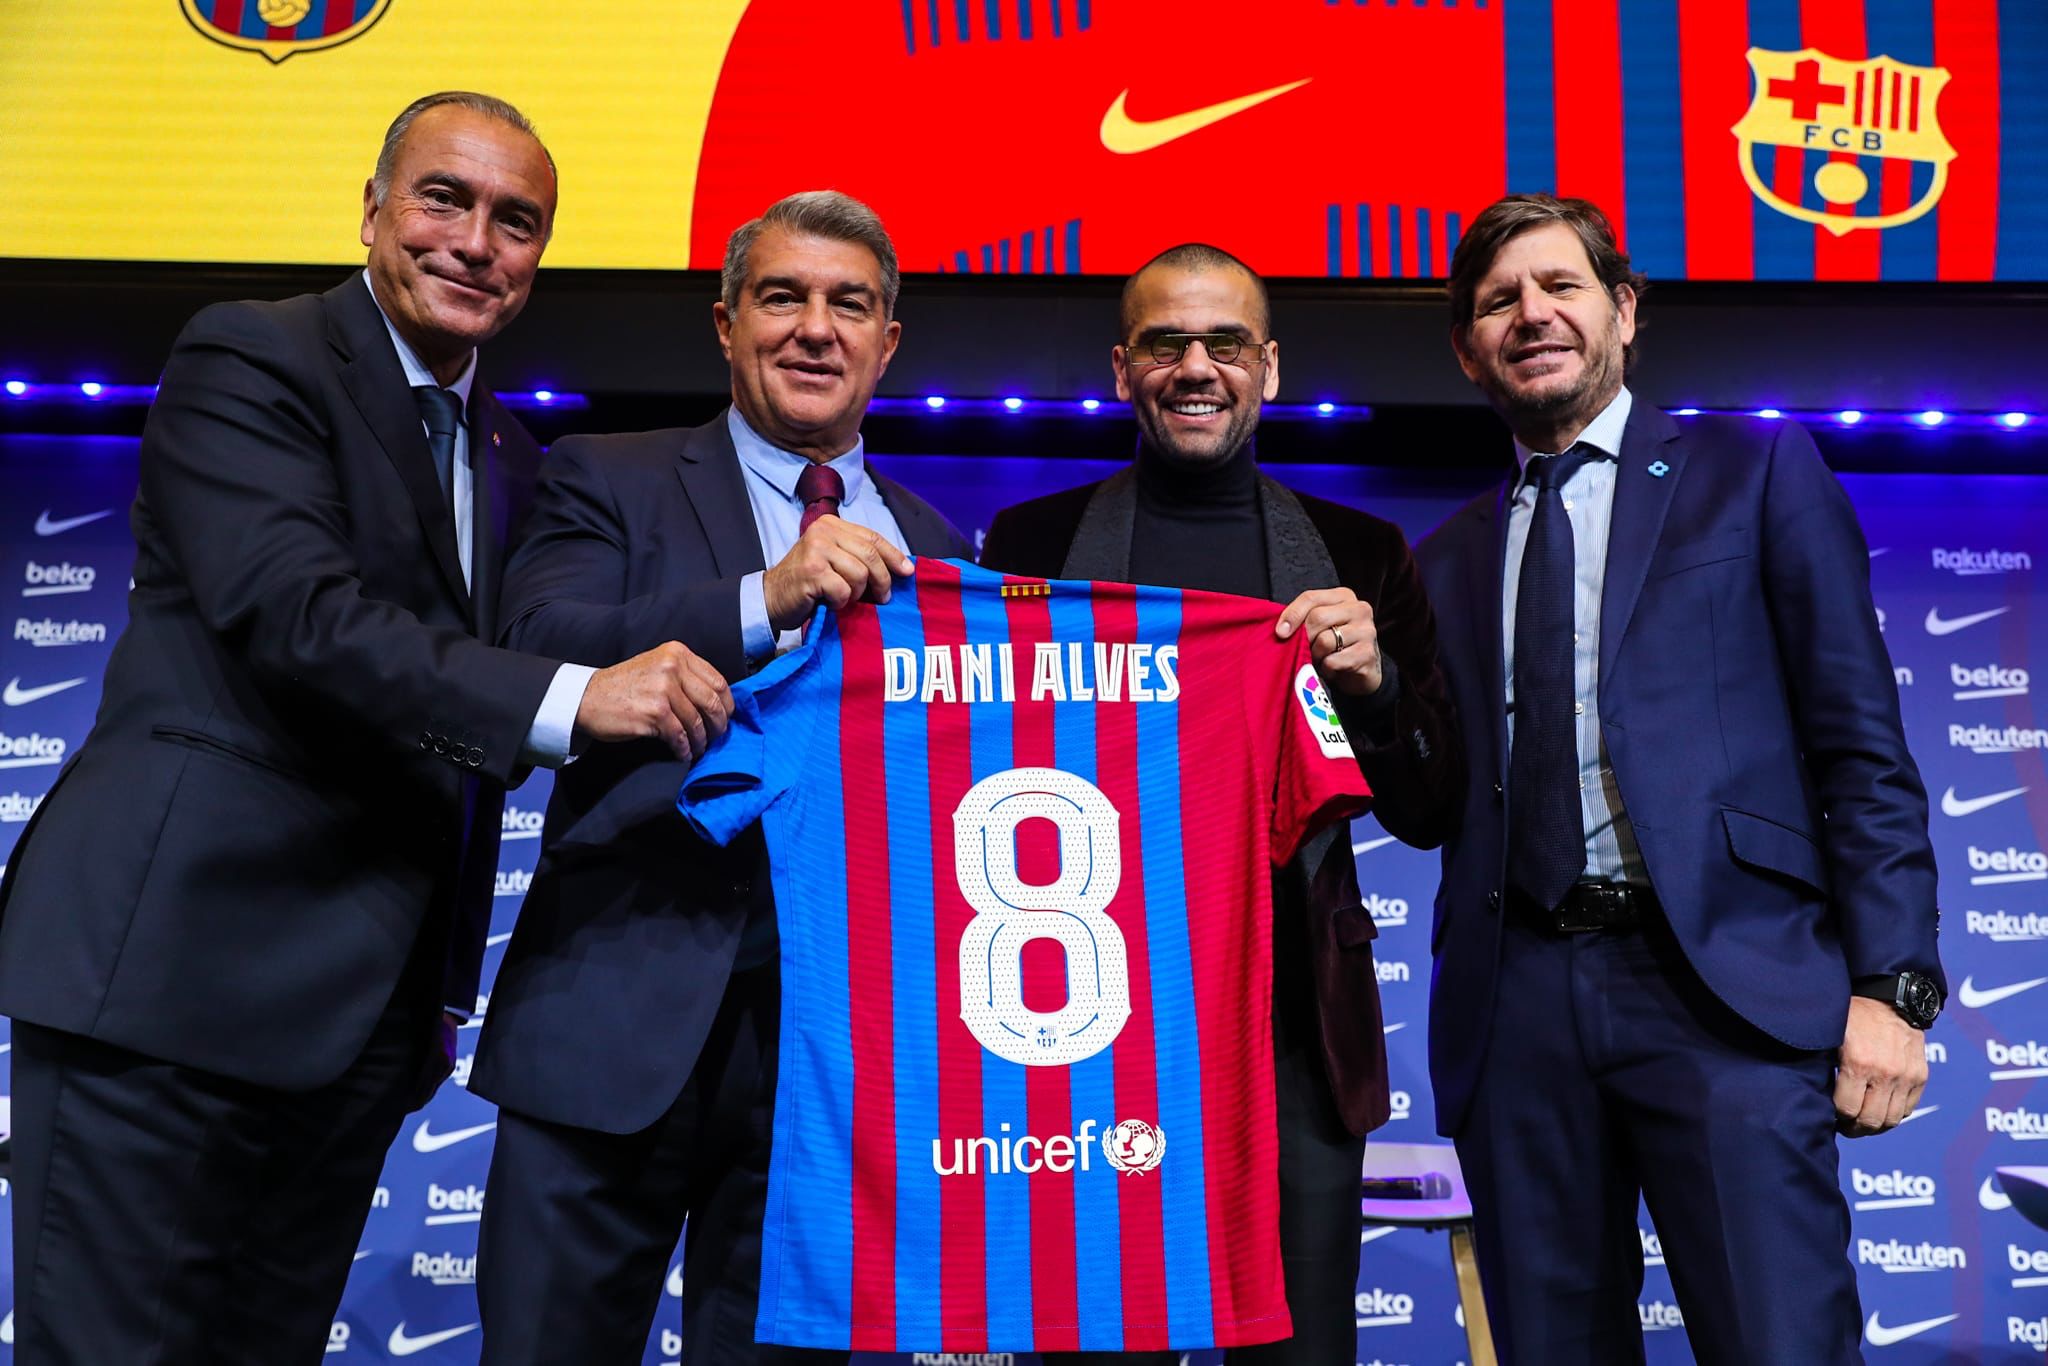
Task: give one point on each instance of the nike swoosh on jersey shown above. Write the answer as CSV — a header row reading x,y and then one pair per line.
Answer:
x,y
401,1345
1880,1336
1991,1198
1952,805
47,525
14,695
1936,626
424,1140
1970,996
1123,134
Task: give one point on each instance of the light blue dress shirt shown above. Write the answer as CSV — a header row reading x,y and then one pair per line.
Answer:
x,y
771,475
1611,852
554,725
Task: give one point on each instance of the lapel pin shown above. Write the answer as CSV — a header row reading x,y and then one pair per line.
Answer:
x,y
497,440
1657,470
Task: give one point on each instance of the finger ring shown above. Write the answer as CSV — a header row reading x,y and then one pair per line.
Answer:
x,y
1339,637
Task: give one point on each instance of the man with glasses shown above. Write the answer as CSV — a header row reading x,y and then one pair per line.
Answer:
x,y
1193,511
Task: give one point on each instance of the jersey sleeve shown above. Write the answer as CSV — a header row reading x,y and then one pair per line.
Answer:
x,y
756,760
1317,779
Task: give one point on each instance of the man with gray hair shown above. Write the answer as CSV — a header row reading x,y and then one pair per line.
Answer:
x,y
631,1044
239,930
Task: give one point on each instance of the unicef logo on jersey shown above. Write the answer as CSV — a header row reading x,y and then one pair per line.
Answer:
x,y
1321,713
1133,1146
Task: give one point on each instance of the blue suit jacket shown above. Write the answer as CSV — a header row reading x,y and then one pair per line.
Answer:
x,y
1752,721
627,935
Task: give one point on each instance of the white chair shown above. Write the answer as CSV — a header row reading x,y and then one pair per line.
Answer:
x,y
1420,1185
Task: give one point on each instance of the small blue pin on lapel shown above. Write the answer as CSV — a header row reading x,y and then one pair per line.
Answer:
x,y
1659,469
497,440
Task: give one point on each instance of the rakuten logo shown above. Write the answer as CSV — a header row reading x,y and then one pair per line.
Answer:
x,y
520,823
1388,971
33,750
2013,1061
44,632
444,1268
2007,865
48,580
1896,1257
2031,1265
1659,1317
1378,1309
2006,927
1996,739
2027,1332
17,807
1387,912
512,882
2021,1124
1936,1052
1890,1190
1991,680
1970,563
1902,677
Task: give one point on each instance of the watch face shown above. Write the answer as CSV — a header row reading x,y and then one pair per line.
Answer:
x,y
1919,999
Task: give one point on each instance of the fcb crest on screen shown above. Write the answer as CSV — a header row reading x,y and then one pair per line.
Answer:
x,y
280,28
1844,144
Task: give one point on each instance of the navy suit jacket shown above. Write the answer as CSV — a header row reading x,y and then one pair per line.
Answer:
x,y
628,932
302,744
1752,721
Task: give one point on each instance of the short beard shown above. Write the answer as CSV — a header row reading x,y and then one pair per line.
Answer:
x,y
1243,423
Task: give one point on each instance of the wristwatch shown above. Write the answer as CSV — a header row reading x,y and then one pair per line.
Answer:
x,y
1913,994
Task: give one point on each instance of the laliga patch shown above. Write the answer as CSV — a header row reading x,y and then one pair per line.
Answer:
x,y
1322,716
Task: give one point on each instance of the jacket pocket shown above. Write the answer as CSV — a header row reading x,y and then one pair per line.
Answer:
x,y
1722,545
213,744
1774,848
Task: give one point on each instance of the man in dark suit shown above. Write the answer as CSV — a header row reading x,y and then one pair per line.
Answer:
x,y
1193,511
631,1041
1687,927
232,929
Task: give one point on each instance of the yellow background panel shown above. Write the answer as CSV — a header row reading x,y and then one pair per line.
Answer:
x,y
127,134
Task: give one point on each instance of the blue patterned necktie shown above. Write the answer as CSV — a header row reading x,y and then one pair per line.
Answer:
x,y
441,410
1546,832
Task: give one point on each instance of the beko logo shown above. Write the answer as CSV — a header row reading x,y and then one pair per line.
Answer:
x,y
1378,1309
1968,563
1653,1246
1896,1257
1388,912
1399,1105
519,823
48,580
2007,865
1389,971
2032,1266
2006,927
1987,680
337,1337
1657,1316
33,750
1890,1190
460,1204
2014,1061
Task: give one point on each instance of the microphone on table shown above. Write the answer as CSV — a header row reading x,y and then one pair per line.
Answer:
x,y
1427,1186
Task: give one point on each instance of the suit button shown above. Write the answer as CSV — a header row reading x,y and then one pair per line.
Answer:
x,y
1493,900
476,757
426,739
441,745
1498,793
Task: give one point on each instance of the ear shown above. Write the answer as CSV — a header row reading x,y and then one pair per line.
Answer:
x,y
721,318
369,232
1625,310
1119,366
1461,343
1272,389
891,335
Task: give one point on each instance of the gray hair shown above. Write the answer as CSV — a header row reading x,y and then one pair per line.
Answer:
x,y
828,214
490,106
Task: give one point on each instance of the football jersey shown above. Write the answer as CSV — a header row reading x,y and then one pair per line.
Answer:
x,y
1022,837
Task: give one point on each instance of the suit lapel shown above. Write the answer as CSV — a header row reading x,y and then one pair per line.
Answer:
x,y
375,382
1641,500
1296,558
1101,548
923,532
491,511
1486,587
715,486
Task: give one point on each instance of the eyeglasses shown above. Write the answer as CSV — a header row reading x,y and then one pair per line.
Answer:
x,y
1168,348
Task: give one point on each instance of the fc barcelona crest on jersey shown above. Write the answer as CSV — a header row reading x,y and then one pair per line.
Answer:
x,y
1844,144
279,28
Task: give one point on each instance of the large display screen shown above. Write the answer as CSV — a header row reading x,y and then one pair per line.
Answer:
x,y
1729,139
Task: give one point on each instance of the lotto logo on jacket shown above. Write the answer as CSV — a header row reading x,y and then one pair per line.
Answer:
x,y
1022,837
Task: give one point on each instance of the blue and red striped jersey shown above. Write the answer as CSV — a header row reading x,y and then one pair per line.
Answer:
x,y
1022,836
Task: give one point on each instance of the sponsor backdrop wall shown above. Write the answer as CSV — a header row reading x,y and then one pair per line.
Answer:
x,y
1949,1272
1771,140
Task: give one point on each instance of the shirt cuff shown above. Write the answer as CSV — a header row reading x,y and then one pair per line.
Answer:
x,y
1372,716
757,637
554,725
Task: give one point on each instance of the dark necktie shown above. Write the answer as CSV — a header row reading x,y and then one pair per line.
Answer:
x,y
441,410
820,489
1546,833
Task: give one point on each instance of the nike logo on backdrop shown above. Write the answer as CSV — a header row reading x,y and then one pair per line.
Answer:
x,y
424,1140
675,1281
403,1346
1881,1336
14,695
1952,805
1991,1198
1124,134
1367,846
1937,627
1970,996
49,526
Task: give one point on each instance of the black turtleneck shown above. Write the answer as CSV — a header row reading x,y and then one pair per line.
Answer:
x,y
1198,526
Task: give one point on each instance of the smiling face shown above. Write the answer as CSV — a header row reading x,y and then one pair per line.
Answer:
x,y
1545,340
807,341
1198,411
456,242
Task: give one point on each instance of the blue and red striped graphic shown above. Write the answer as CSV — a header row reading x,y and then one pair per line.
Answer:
x,y
927,1193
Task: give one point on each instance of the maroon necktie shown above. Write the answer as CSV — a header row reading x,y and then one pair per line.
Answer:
x,y
820,489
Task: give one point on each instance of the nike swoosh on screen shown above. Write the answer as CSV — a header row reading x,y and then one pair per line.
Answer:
x,y
425,1140
1992,1199
14,695
402,1346
1952,805
1881,1336
1125,135
1970,996
1936,626
48,526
